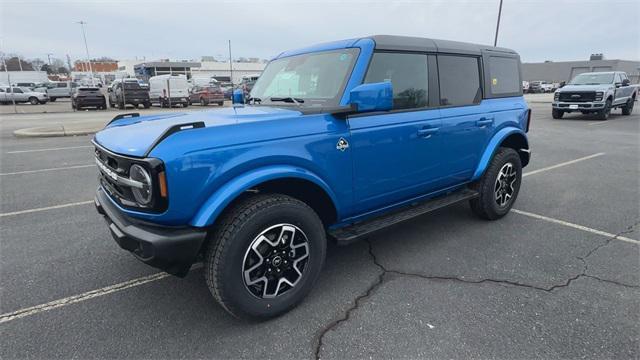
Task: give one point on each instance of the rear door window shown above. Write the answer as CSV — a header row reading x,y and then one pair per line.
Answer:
x,y
407,74
459,80
504,75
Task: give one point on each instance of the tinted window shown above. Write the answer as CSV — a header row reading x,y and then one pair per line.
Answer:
x,y
407,74
1,90
459,80
504,75
17,91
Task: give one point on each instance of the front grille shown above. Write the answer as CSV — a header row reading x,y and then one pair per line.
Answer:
x,y
578,96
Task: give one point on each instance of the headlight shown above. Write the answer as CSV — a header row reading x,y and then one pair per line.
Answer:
x,y
599,95
143,195
556,96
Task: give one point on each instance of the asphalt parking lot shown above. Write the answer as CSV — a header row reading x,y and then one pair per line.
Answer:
x,y
559,277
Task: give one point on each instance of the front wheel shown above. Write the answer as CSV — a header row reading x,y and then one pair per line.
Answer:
x,y
265,256
627,109
557,114
53,99
499,186
604,113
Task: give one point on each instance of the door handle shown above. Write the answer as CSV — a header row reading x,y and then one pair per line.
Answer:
x,y
484,122
427,132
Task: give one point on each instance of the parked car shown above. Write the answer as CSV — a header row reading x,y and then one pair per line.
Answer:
x,y
525,87
57,89
29,85
247,83
595,93
88,97
227,89
128,91
206,95
348,137
21,95
540,87
169,90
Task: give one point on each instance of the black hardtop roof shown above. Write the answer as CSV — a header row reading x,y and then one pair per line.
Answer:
x,y
409,43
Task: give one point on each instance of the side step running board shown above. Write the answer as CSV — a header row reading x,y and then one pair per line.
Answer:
x,y
352,232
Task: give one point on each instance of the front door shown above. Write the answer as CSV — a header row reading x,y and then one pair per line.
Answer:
x,y
396,154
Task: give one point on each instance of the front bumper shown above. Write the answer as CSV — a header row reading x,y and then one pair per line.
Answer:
x,y
172,249
577,106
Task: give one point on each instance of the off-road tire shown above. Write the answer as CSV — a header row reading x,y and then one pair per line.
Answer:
x,y
604,113
232,237
627,109
557,114
485,205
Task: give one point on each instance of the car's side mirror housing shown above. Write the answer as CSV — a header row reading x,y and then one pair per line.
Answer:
x,y
372,97
626,82
618,84
238,96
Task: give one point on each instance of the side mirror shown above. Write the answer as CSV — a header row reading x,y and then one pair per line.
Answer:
x,y
626,82
238,96
562,84
372,97
618,84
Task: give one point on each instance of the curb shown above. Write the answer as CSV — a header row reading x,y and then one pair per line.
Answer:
x,y
50,131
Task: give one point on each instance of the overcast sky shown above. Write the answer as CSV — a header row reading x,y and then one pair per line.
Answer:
x,y
538,30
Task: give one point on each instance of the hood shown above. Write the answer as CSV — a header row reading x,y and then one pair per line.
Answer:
x,y
570,87
136,136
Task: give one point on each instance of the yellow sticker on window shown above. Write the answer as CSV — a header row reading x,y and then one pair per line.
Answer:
x,y
494,81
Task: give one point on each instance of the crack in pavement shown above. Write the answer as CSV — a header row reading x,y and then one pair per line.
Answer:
x,y
385,272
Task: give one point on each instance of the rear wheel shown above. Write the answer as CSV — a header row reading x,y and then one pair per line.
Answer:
x,y
627,109
265,256
221,103
147,104
557,114
203,102
34,100
499,186
604,113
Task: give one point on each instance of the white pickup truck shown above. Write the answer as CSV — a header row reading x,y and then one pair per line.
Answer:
x,y
597,93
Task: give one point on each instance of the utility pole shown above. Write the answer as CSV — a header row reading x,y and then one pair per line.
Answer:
x,y
230,68
69,64
86,47
495,41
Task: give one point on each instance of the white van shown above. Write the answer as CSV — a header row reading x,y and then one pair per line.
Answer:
x,y
169,90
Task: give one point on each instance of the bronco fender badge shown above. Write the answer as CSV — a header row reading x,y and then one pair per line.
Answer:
x,y
342,144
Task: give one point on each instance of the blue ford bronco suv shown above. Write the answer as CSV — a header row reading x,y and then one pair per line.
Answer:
x,y
335,141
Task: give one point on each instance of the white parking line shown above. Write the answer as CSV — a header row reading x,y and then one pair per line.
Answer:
x,y
45,208
576,226
49,169
562,164
33,310
49,149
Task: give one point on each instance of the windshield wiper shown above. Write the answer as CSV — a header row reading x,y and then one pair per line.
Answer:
x,y
296,101
254,100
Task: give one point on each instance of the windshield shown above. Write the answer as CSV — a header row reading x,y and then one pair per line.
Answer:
x,y
592,79
316,78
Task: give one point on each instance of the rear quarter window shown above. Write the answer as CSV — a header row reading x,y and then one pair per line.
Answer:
x,y
504,75
459,80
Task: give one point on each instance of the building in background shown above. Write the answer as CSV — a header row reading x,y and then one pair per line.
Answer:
x,y
552,71
221,71
146,70
97,66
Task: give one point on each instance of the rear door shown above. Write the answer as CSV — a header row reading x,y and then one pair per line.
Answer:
x,y
467,123
396,154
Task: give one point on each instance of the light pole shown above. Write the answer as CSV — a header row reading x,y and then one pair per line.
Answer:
x,y
495,41
230,68
86,47
13,99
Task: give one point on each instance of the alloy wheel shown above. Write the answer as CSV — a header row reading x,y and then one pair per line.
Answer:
x,y
275,261
504,188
